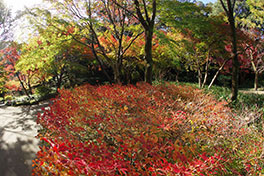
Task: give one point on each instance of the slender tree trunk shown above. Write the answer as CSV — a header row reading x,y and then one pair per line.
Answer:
x,y
255,71
177,77
59,81
22,85
206,70
256,81
94,37
29,86
200,77
100,62
217,73
205,78
147,22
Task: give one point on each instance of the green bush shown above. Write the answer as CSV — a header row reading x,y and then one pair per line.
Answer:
x,y
43,91
8,97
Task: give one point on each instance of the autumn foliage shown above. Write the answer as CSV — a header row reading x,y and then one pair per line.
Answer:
x,y
144,130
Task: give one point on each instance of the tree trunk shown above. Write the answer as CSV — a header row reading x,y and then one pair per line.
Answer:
x,y
177,77
229,10
94,39
205,78
256,81
148,56
148,24
29,86
235,63
217,73
117,73
128,74
200,77
206,70
100,61
23,86
59,81
255,71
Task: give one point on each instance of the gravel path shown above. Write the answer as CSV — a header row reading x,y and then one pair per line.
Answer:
x,y
18,145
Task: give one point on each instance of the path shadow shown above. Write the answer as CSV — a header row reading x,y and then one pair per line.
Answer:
x,y
16,158
33,110
24,116
18,144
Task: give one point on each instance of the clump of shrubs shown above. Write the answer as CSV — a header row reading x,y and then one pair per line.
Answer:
x,y
43,91
145,130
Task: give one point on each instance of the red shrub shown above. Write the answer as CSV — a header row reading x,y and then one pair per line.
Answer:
x,y
143,130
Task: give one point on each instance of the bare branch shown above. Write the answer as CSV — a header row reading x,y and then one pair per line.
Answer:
x,y
146,11
140,16
224,7
154,10
128,11
131,42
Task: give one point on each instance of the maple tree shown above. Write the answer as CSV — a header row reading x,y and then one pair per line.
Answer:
x,y
56,56
165,58
121,32
43,19
254,51
251,14
223,54
148,23
10,57
251,21
104,28
3,79
199,38
145,12
240,15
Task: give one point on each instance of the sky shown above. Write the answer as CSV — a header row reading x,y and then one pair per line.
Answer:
x,y
207,1
20,4
16,5
21,32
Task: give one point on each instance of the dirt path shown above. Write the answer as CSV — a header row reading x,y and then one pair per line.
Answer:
x,y
18,144
252,91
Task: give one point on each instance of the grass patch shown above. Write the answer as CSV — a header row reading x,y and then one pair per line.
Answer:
x,y
245,100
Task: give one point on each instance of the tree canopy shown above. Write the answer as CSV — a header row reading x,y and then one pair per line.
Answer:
x,y
129,41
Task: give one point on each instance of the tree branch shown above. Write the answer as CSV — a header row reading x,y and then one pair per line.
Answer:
x,y
224,7
131,42
146,11
140,16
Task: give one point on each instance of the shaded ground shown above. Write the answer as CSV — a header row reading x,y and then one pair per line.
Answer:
x,y
18,144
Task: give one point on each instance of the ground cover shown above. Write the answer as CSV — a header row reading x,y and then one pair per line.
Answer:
x,y
165,129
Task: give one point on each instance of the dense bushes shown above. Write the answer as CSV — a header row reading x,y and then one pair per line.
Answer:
x,y
145,130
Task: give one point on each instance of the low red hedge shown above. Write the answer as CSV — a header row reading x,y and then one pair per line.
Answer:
x,y
144,130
